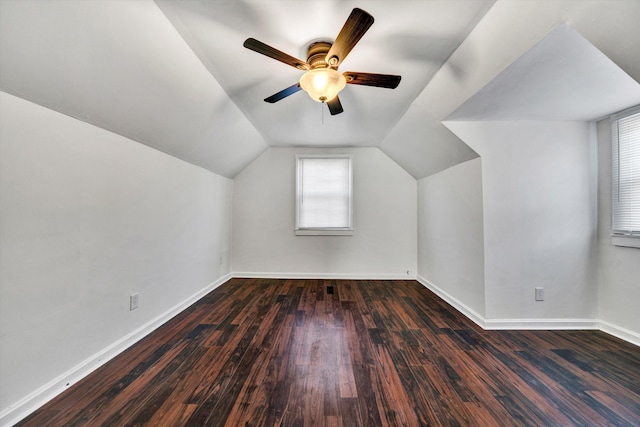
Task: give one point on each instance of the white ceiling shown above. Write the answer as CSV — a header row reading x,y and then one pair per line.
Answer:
x,y
120,65
563,77
174,74
409,38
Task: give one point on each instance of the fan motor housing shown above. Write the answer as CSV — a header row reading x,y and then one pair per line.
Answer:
x,y
317,54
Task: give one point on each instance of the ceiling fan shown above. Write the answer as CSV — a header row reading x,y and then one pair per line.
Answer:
x,y
321,79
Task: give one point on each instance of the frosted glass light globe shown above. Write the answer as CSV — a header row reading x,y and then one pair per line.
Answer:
x,y
322,84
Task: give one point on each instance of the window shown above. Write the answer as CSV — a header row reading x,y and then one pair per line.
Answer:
x,y
625,132
323,195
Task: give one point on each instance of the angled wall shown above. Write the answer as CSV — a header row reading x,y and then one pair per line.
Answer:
x,y
532,126
539,220
88,218
451,236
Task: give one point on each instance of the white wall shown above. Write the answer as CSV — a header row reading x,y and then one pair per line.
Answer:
x,y
451,235
384,243
87,218
539,196
618,267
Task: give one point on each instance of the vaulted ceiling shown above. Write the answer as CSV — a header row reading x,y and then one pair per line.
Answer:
x,y
174,74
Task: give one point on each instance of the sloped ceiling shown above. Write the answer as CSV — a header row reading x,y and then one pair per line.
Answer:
x,y
563,77
121,65
174,75
410,38
506,33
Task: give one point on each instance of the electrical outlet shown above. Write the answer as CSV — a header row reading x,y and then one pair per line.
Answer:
x,y
133,301
539,294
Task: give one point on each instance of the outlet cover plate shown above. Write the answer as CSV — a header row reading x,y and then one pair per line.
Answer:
x,y
133,301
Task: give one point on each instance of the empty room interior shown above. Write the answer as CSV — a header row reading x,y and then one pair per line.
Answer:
x,y
447,233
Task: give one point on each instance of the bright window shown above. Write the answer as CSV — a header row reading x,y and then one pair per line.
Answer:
x,y
323,195
625,131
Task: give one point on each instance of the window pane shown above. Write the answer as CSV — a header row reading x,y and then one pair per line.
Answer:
x,y
626,175
324,192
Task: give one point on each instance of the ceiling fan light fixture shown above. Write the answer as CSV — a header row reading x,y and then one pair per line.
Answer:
x,y
322,81
322,84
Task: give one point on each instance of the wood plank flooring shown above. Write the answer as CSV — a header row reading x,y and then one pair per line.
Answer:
x,y
265,352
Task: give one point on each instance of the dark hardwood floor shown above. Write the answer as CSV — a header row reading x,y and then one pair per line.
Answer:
x,y
266,352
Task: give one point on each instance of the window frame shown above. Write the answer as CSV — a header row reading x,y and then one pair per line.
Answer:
x,y
620,237
321,231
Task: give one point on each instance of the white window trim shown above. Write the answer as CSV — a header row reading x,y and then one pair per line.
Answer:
x,y
627,241
323,231
619,239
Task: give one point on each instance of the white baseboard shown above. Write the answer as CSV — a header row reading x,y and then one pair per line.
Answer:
x,y
42,395
532,324
335,276
541,324
458,305
619,332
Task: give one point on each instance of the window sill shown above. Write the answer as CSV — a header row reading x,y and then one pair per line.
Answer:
x,y
324,232
627,241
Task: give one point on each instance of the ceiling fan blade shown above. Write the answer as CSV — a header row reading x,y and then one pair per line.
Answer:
x,y
283,93
357,24
265,49
388,81
335,107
